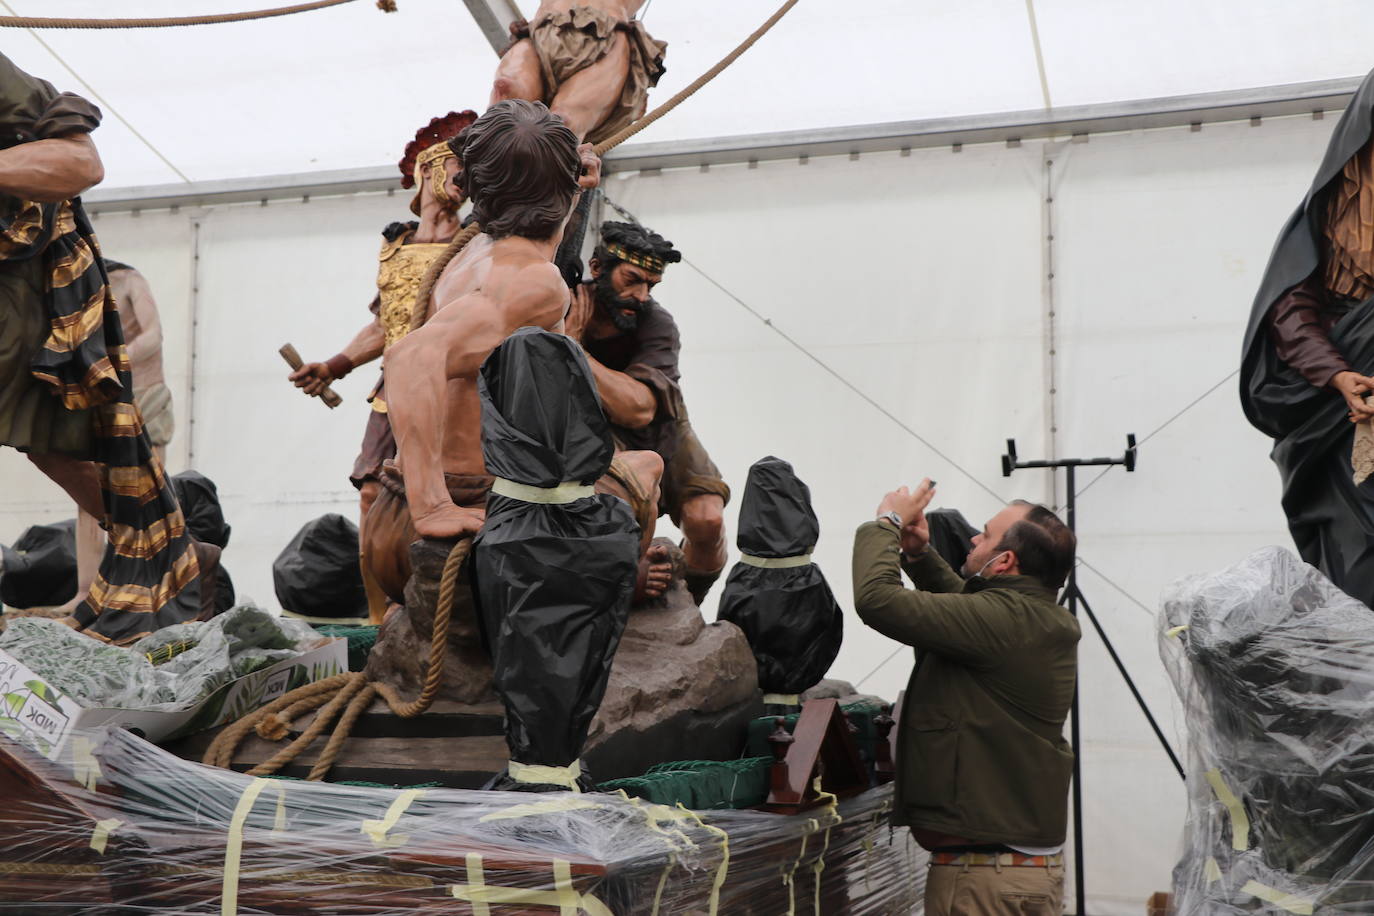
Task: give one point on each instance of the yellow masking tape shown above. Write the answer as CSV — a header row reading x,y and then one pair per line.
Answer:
x,y
552,806
782,699
1212,871
1240,821
377,830
1176,631
476,879
1290,902
776,562
546,775
566,492
714,903
833,809
233,847
566,899
101,836
85,767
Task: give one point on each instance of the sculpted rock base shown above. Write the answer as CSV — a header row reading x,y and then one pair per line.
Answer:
x,y
401,656
680,689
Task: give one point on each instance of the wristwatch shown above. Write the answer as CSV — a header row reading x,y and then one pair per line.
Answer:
x,y
892,517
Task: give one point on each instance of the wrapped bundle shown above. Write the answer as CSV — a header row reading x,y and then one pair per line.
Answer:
x,y
554,564
317,576
40,568
775,594
1275,667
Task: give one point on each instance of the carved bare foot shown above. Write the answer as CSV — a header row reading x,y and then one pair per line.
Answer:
x,y
655,574
450,522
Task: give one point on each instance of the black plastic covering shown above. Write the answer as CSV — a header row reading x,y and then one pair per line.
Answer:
x,y
317,574
199,499
553,582
951,536
1275,667
40,567
789,615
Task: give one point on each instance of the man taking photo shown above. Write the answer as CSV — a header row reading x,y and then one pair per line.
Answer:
x,y
983,769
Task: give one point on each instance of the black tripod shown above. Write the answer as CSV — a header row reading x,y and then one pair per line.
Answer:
x,y
1072,598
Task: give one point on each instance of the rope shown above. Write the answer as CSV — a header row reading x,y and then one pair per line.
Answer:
x,y
419,312
350,693
43,22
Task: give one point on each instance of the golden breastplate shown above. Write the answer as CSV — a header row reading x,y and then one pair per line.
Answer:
x,y
399,273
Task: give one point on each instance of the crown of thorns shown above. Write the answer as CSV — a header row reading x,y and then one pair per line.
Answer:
x,y
437,130
638,245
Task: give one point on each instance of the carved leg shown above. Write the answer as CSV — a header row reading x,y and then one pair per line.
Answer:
x,y
377,601
80,479
703,532
518,75
587,97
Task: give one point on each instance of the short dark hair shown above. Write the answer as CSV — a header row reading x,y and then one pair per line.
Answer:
x,y
632,237
1044,545
520,169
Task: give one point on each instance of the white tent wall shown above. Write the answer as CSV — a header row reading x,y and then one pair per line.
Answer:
x,y
923,281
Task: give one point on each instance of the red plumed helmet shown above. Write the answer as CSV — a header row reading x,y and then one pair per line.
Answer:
x,y
437,131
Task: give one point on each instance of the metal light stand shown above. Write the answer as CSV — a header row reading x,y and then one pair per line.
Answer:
x,y
1072,598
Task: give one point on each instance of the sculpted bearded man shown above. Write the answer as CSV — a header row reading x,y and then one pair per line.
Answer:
x,y
591,62
522,169
632,346
431,167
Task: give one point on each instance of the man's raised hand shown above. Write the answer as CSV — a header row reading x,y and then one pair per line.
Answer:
x,y
910,506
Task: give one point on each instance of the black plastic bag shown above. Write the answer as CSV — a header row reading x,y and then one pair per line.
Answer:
x,y
553,579
784,606
317,576
40,567
199,499
951,536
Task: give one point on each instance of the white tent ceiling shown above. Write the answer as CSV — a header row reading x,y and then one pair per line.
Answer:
x,y
345,87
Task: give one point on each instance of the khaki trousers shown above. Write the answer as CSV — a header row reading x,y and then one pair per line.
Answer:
x,y
991,890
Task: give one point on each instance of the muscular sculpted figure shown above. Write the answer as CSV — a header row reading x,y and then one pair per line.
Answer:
x,y
590,61
431,167
521,168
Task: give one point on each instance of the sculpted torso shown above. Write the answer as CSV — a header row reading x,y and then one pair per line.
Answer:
x,y
487,292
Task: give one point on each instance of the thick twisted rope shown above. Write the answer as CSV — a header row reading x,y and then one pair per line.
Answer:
x,y
419,312
350,693
45,22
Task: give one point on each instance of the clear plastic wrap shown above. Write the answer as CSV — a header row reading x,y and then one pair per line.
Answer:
x,y
172,668
1275,667
118,825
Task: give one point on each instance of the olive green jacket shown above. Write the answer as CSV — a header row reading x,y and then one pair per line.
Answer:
x,y
981,752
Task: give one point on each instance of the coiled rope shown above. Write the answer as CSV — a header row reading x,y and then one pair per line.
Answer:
x,y
350,694
418,313
45,22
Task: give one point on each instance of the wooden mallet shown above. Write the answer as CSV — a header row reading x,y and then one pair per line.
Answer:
x,y
293,359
